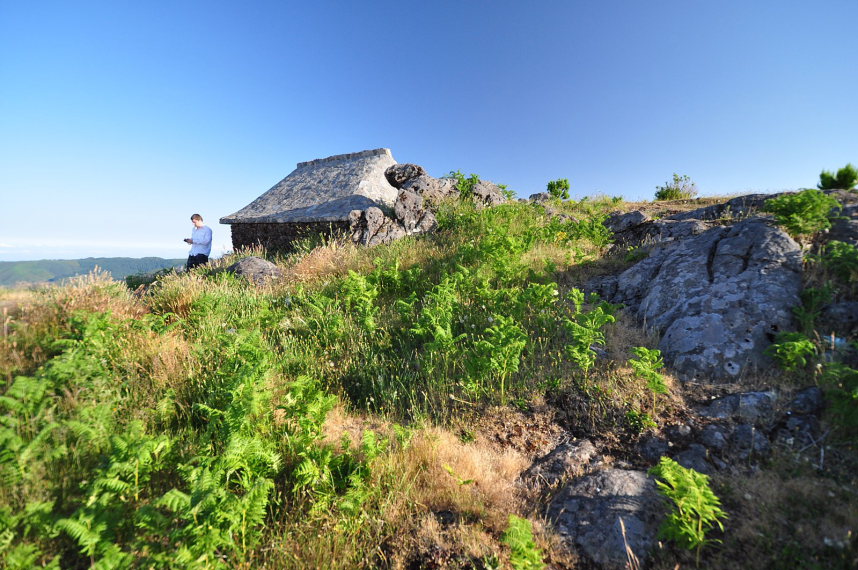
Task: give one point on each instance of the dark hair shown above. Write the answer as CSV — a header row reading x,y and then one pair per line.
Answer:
x,y
197,217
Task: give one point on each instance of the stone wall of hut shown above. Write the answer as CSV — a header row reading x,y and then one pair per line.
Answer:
x,y
281,237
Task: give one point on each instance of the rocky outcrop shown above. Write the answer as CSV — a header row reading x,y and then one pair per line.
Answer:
x,y
433,190
371,227
845,227
540,197
588,515
840,319
648,233
717,298
738,431
566,460
414,178
412,214
256,270
619,222
399,174
488,194
417,192
739,208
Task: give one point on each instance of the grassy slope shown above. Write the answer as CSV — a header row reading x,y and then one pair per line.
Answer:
x,y
373,409
49,270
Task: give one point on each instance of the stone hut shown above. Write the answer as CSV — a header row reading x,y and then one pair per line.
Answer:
x,y
315,198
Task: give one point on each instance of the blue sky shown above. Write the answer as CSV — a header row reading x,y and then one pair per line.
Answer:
x,y
119,119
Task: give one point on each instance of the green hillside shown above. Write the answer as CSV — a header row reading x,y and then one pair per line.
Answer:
x,y
51,270
381,407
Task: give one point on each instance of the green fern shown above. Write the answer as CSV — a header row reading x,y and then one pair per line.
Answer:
x,y
647,365
524,554
696,509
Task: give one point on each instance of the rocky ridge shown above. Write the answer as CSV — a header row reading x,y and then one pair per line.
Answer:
x,y
412,211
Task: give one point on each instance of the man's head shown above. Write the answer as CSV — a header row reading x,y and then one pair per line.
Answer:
x,y
197,220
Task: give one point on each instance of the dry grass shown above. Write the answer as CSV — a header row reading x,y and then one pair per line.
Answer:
x,y
96,292
39,316
438,502
328,261
176,293
446,502
154,362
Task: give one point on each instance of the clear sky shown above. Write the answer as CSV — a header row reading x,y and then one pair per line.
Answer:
x,y
119,119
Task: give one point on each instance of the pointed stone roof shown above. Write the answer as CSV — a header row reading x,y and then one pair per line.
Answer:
x,y
324,190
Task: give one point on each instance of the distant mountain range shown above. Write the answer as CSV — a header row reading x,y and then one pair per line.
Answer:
x,y
53,270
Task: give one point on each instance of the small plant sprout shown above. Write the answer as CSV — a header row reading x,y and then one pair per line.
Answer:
x,y
696,509
647,365
524,553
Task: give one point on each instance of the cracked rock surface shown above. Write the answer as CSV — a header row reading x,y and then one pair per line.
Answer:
x,y
718,298
588,512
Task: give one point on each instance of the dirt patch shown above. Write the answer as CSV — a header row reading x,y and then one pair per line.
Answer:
x,y
532,433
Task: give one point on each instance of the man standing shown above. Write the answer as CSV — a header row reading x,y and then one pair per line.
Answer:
x,y
201,243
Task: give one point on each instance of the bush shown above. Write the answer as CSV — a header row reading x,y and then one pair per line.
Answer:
x,y
697,509
680,188
845,179
842,259
841,386
791,350
806,212
559,188
464,184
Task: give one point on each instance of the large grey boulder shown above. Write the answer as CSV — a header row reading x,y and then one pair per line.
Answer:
x,y
433,190
718,298
371,227
840,319
399,174
256,270
587,516
488,194
412,214
620,222
541,197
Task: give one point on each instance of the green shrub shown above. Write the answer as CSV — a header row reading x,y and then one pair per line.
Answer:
x,y
585,330
524,554
806,212
845,179
559,188
696,508
841,386
465,185
812,302
842,259
680,188
791,350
